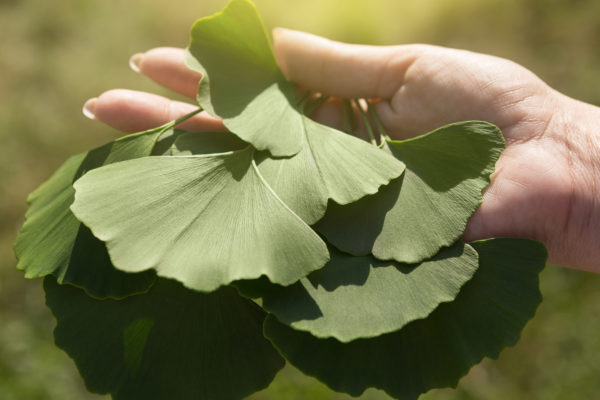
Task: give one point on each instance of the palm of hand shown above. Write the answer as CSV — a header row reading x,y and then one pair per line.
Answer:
x,y
530,192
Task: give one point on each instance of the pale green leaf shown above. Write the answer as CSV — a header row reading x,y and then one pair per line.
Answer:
x,y
243,86
53,241
487,315
204,220
410,219
169,343
241,80
330,166
358,297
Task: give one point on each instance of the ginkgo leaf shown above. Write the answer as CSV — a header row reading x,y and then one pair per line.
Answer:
x,y
487,315
331,166
204,220
319,172
410,219
53,241
168,343
358,297
241,80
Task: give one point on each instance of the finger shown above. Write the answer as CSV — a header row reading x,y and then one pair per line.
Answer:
x,y
340,69
165,66
132,111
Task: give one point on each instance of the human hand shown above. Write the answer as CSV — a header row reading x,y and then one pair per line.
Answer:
x,y
545,185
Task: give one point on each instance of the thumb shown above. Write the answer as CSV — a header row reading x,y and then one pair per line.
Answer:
x,y
339,69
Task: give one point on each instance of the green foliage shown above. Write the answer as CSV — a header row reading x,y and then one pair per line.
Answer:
x,y
53,241
204,220
487,315
239,95
134,348
412,218
338,299
219,210
331,166
240,80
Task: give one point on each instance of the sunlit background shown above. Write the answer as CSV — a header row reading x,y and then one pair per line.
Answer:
x,y
56,54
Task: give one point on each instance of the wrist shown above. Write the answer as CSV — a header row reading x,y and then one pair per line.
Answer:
x,y
576,126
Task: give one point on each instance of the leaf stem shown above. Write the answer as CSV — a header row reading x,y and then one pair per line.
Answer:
x,y
162,128
181,119
313,105
301,103
382,133
348,116
176,122
367,122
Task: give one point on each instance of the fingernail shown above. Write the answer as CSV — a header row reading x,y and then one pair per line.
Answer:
x,y
276,31
135,61
89,108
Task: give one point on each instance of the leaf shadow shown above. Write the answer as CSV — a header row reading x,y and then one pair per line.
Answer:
x,y
454,251
342,270
90,266
93,159
369,213
239,163
296,301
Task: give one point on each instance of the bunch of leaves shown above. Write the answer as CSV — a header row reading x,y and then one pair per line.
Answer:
x,y
193,264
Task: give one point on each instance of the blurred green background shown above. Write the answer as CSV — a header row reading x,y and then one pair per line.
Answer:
x,y
55,55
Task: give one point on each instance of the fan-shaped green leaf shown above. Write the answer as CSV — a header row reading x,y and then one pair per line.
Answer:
x,y
203,220
358,297
169,343
240,79
53,241
411,219
320,171
488,314
331,165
